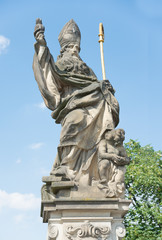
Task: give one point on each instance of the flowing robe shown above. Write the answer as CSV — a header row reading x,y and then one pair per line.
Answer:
x,y
82,105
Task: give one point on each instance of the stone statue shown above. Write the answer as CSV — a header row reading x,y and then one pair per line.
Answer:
x,y
83,197
112,158
86,109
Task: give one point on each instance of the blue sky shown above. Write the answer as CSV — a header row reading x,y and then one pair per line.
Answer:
x,y
29,136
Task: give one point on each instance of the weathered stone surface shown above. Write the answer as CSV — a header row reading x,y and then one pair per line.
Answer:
x,y
49,179
85,107
112,159
87,230
83,198
86,219
56,186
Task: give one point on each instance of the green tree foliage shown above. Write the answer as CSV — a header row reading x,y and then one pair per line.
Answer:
x,y
143,184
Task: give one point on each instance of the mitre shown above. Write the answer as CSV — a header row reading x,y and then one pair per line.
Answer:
x,y
69,34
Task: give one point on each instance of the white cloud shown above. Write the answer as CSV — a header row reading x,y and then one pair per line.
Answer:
x,y
18,160
41,105
4,43
19,201
36,145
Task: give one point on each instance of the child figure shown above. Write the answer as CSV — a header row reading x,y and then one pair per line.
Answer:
x,y
111,160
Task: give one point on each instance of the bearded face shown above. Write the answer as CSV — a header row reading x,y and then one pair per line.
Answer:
x,y
73,49
70,61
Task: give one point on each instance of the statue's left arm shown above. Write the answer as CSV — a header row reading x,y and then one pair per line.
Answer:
x,y
44,69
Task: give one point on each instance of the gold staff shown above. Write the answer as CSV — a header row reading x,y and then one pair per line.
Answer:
x,y
101,40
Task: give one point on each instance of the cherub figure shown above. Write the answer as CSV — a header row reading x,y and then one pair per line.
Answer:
x,y
112,158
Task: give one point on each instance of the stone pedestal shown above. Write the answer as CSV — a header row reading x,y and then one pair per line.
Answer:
x,y
88,219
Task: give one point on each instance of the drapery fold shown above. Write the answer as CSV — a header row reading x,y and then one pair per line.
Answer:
x,y
83,106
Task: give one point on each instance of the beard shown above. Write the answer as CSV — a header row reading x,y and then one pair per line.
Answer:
x,y
71,62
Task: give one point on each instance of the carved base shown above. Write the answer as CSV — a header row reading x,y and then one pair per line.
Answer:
x,y
88,219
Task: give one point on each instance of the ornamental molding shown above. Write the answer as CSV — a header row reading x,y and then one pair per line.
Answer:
x,y
87,230
52,231
119,230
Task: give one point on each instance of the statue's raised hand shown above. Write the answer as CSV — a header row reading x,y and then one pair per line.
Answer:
x,y
39,32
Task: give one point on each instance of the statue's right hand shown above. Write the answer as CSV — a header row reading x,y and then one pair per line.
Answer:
x,y
39,32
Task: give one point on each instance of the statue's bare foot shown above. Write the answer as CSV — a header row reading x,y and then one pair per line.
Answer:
x,y
64,171
103,184
103,181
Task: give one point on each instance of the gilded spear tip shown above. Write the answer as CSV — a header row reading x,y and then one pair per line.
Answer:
x,y
101,33
101,40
